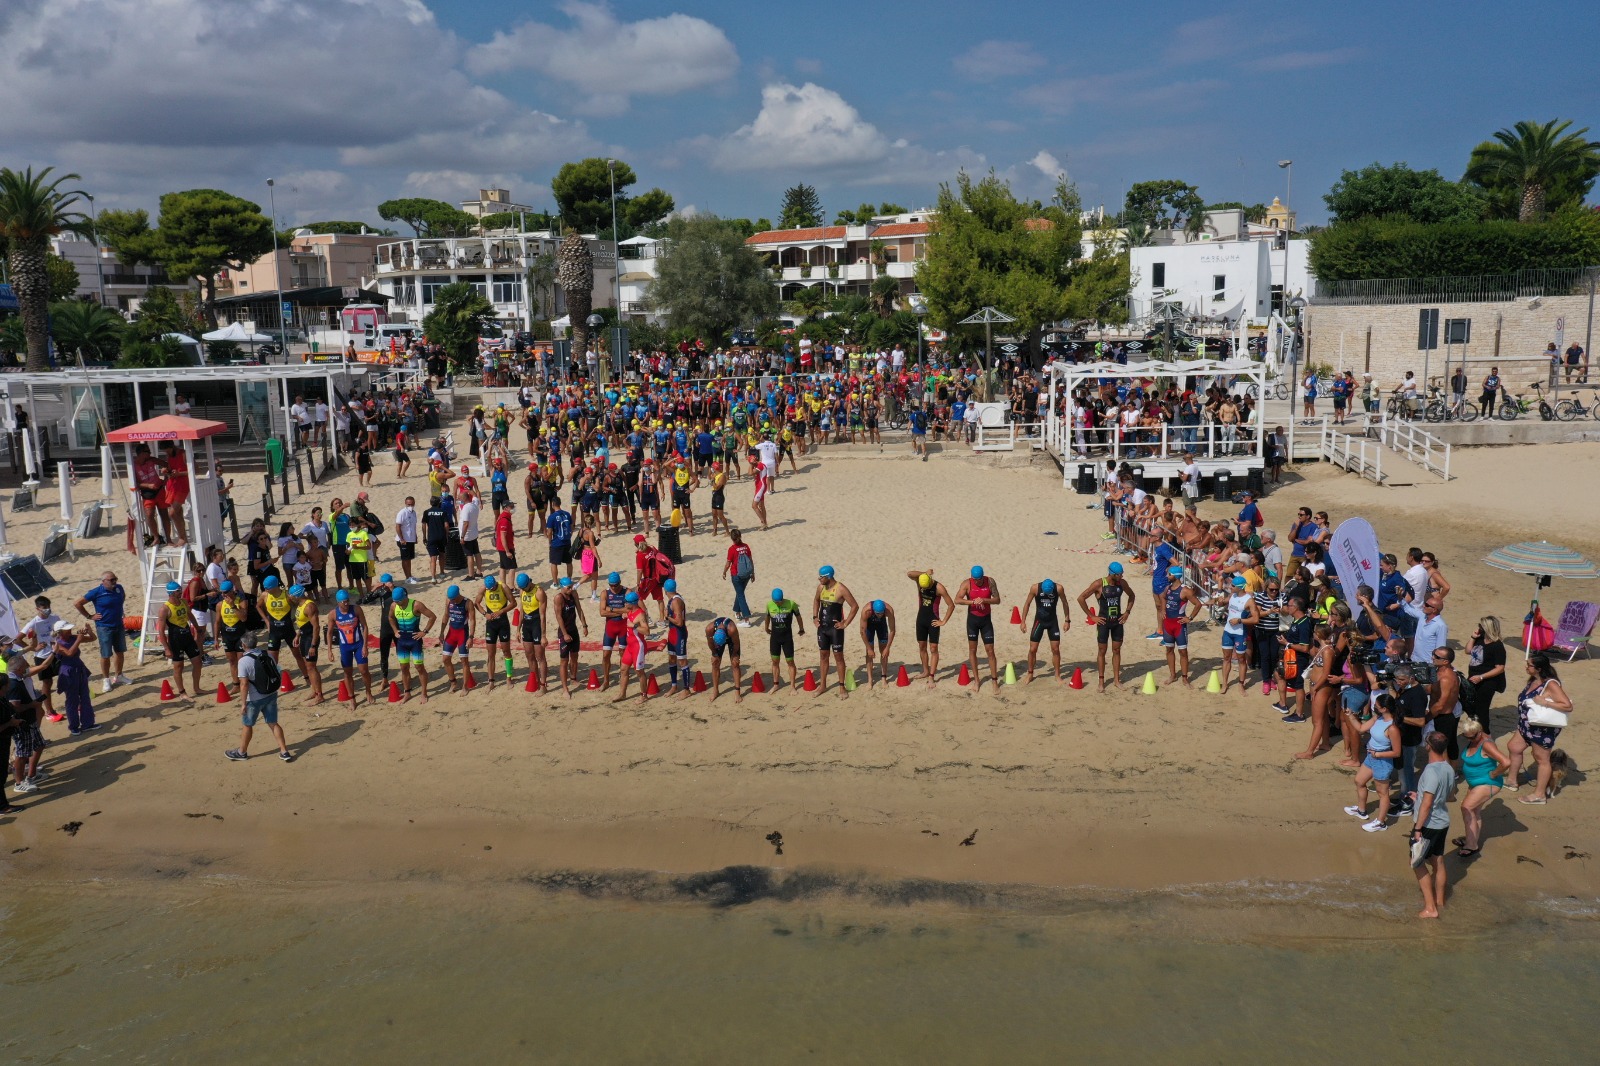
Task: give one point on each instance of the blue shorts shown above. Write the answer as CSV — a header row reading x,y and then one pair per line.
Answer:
x,y
408,648
1239,642
112,639
678,641
614,638
352,655
264,709
1355,700
1382,769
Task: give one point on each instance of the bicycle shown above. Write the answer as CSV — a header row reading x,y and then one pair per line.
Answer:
x,y
1404,407
1278,391
1567,410
1514,407
1440,411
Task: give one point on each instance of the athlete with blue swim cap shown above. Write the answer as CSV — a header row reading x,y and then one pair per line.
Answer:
x,y
1045,600
980,595
722,634
1108,593
410,619
830,615
877,631
780,619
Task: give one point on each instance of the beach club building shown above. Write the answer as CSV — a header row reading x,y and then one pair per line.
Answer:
x,y
845,259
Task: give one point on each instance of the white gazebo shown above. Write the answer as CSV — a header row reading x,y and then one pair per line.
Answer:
x,y
1160,451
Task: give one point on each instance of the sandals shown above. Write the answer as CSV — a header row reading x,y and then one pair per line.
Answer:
x,y
1467,853
1533,801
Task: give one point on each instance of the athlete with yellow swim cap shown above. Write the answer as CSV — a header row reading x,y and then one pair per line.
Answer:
x,y
934,608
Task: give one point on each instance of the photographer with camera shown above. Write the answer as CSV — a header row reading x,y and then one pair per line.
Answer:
x,y
1411,711
1392,594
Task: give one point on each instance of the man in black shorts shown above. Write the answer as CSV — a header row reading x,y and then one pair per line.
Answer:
x,y
830,615
722,635
781,618
979,594
877,633
1109,592
1045,600
934,608
178,639
435,533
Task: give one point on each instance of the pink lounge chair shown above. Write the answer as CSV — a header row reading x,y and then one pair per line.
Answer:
x,y
1575,627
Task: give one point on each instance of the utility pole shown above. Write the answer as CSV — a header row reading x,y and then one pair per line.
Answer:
x,y
277,276
100,270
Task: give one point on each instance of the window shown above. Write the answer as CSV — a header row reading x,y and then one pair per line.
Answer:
x,y
405,291
1158,275
507,288
1219,282
431,284
477,281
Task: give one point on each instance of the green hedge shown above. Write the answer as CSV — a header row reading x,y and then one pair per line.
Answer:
x,y
1400,248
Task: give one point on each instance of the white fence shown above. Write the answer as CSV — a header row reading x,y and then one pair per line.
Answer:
x,y
1361,451
1006,438
1358,454
1416,444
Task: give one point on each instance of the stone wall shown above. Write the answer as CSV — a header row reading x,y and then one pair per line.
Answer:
x,y
1506,332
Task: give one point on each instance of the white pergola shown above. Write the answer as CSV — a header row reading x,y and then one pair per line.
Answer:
x,y
1160,455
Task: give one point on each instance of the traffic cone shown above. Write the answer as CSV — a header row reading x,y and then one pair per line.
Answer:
x,y
394,692
533,682
700,681
652,687
1149,687
1011,674
344,692
472,682
965,676
1213,684
516,618
757,686
508,671
1016,616
287,686
1077,678
223,695
594,678
850,680
902,679
810,682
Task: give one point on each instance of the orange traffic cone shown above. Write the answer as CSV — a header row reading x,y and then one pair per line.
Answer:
x,y
757,685
1016,616
533,682
594,678
965,676
699,681
166,692
223,695
471,681
344,692
811,682
394,692
902,679
652,687
287,686
1077,678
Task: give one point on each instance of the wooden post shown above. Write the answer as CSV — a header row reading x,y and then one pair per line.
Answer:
x,y
1366,367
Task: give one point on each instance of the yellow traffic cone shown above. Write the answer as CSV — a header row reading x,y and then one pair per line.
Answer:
x,y
1213,684
1011,674
850,680
1149,688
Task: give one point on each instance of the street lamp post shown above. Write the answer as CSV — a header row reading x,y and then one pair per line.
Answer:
x,y
1287,166
277,276
618,357
94,231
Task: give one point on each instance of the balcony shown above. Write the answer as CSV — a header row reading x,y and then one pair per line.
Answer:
x,y
847,273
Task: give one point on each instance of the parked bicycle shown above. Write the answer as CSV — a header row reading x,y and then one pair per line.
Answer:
x,y
1277,391
1440,411
1567,410
1512,407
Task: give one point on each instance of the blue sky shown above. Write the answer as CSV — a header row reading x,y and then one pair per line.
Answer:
x,y
348,102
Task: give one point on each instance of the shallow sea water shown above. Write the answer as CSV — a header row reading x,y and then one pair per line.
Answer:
x,y
728,968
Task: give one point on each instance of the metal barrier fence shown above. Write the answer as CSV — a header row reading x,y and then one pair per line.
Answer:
x,y
1006,438
1209,440
1134,538
1468,288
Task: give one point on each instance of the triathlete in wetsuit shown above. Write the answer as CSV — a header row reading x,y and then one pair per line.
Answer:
x,y
1045,601
1109,593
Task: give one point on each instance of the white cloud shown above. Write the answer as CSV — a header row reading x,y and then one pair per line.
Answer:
x,y
609,61
1047,164
803,126
995,60
166,94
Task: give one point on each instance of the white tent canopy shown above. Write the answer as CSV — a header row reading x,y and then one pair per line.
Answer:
x,y
564,322
235,332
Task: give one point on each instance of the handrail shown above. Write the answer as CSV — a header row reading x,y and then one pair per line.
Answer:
x,y
1417,444
1358,454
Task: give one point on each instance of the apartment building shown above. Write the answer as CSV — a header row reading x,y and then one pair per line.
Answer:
x,y
845,259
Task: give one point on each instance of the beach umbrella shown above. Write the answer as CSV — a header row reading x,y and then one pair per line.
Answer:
x,y
1542,561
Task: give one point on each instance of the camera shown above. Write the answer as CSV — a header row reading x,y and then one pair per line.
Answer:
x,y
1424,673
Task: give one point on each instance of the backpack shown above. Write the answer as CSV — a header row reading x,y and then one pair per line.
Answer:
x,y
661,567
744,567
1467,691
268,676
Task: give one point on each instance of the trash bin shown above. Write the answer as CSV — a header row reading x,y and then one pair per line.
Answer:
x,y
670,544
1257,481
1136,473
1085,479
1222,487
316,346
454,557
275,457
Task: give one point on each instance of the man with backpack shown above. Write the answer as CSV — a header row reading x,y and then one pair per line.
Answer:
x,y
259,678
741,567
654,569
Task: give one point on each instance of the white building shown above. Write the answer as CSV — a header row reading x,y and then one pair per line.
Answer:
x,y
124,285
639,256
841,257
1217,279
411,273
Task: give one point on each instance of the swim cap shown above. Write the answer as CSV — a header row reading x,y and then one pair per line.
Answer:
x,y
877,606
826,571
614,578
270,583
489,581
1114,568
453,591
227,586
341,596
1238,581
670,584
777,595
566,582
1047,586
523,581
977,571
173,586
1174,571
632,597
719,638
297,590
398,595
387,579
925,581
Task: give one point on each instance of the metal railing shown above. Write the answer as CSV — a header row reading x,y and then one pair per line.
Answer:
x,y
1358,454
1417,444
1006,438
1209,440
1468,288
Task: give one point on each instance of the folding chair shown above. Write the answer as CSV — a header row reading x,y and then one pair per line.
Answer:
x,y
1575,627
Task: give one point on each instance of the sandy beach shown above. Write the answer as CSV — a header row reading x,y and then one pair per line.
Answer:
x,y
1063,788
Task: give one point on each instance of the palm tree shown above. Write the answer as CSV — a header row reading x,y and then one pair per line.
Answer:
x,y
541,279
32,210
885,292
575,272
1536,158
88,328
808,303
